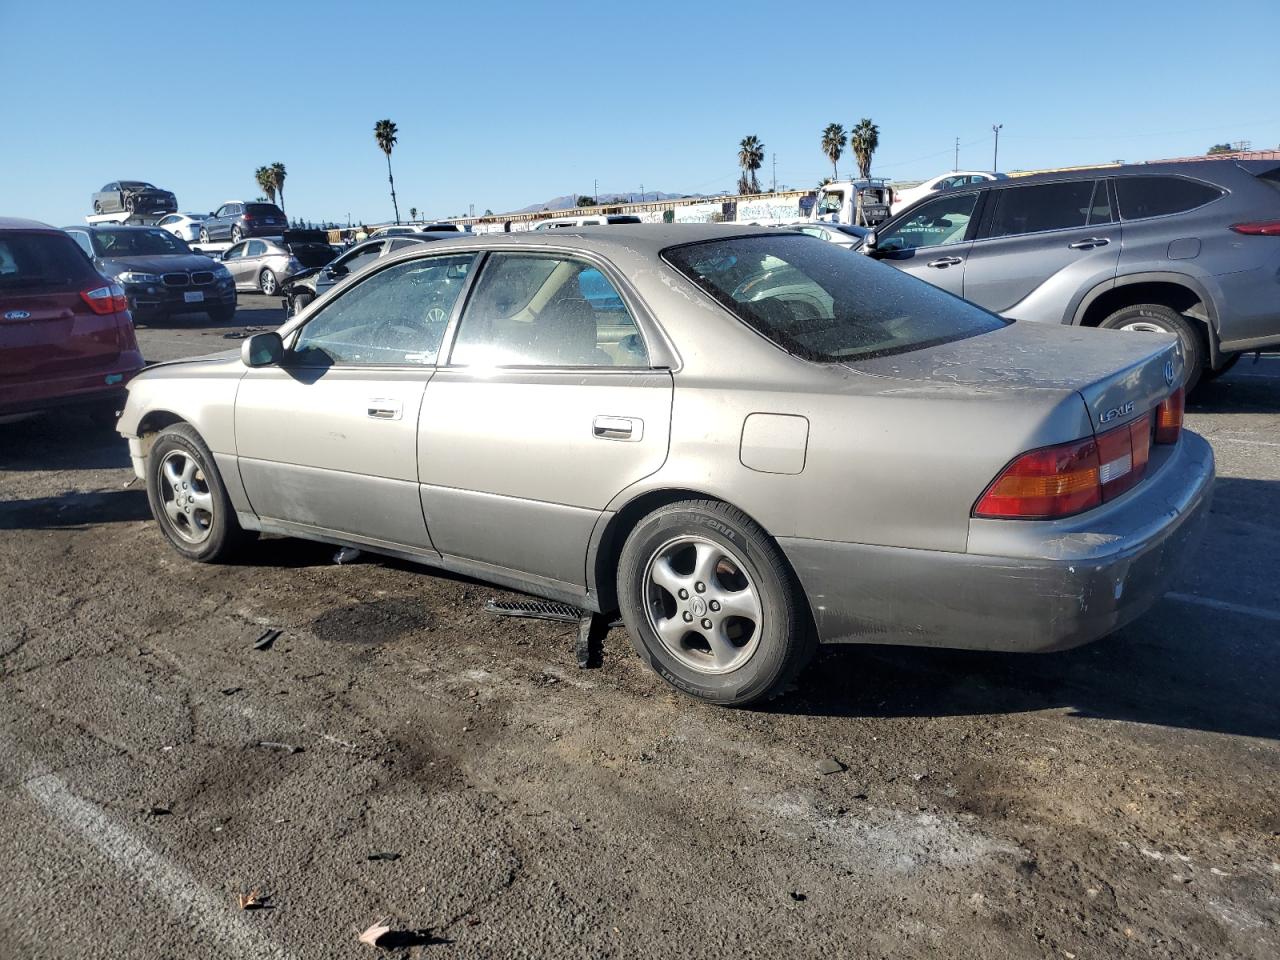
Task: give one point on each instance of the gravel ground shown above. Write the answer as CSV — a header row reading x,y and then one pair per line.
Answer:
x,y
398,753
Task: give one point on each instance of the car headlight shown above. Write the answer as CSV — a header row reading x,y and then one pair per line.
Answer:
x,y
130,277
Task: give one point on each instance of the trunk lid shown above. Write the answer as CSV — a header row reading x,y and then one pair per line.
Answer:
x,y
1120,375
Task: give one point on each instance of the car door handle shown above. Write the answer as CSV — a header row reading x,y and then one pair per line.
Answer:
x,y
618,428
383,408
1089,244
944,262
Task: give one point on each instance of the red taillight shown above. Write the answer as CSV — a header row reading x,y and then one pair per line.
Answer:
x,y
1261,228
1070,478
247,217
1169,417
105,300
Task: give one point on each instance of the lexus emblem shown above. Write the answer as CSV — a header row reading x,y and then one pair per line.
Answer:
x,y
16,315
1168,372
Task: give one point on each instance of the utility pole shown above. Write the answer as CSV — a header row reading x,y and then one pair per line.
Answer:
x,y
775,173
995,152
956,165
642,193
595,191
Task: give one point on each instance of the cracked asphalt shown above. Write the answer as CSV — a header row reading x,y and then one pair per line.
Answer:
x,y
397,753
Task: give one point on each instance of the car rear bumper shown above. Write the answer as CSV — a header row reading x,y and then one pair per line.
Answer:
x,y
1067,582
97,388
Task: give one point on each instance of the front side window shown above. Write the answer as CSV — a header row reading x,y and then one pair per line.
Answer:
x,y
1039,207
546,311
396,316
234,253
1154,196
818,302
937,222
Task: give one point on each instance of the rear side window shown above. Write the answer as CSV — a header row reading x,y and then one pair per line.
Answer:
x,y
1042,206
42,261
1159,196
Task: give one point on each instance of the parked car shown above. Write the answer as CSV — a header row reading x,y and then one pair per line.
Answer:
x,y
841,234
772,442
134,196
305,286
261,265
943,181
1191,249
235,220
184,226
159,273
591,220
66,337
858,203
404,229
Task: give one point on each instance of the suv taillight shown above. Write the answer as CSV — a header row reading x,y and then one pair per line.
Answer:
x,y
1260,228
105,300
1169,417
1067,479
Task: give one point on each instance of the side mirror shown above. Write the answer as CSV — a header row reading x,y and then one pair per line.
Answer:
x,y
336,270
262,350
869,244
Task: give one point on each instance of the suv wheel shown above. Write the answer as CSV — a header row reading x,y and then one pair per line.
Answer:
x,y
204,235
188,498
236,235
1157,318
267,282
711,604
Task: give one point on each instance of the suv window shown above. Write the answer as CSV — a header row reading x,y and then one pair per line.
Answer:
x,y
42,261
1155,196
396,316
937,222
1041,206
546,311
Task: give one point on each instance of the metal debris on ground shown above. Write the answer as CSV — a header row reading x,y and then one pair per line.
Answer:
x,y
346,555
267,638
288,748
158,811
829,766
253,899
384,855
376,932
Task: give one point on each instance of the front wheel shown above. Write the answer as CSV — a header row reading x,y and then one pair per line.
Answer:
x,y
188,499
204,235
1157,318
711,604
299,302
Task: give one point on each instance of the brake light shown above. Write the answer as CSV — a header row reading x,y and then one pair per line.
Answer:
x,y
106,300
1260,228
1169,417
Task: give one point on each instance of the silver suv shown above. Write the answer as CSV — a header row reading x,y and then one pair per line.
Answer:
x,y
1191,249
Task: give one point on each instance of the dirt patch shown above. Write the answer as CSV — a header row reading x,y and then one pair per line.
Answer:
x,y
378,621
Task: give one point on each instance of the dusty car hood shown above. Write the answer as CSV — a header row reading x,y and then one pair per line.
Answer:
x,y
158,263
1108,368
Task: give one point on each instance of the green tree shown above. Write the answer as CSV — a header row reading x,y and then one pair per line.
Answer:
x,y
585,201
833,140
1220,148
863,141
266,183
384,131
413,214
278,173
750,159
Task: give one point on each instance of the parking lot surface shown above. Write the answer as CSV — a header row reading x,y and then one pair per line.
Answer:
x,y
398,753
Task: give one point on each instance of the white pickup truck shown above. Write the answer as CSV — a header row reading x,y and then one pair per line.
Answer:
x,y
859,203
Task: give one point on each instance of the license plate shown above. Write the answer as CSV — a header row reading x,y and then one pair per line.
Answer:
x,y
269,220
194,296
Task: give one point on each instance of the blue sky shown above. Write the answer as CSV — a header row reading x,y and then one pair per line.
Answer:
x,y
502,104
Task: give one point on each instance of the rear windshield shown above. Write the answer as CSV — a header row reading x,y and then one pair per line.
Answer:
x,y
132,242
263,210
820,302
42,261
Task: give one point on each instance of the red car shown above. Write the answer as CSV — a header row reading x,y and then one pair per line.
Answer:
x,y
66,337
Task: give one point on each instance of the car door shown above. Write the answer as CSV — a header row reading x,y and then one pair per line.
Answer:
x,y
231,259
112,200
547,408
932,241
250,265
328,438
1041,244
213,226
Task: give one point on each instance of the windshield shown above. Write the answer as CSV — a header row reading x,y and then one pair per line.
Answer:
x,y
820,302
135,185
137,243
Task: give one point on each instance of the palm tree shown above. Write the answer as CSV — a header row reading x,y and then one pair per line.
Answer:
x,y
863,140
266,183
413,214
384,131
833,140
278,173
750,158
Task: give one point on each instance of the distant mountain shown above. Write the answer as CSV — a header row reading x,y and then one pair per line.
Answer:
x,y
568,202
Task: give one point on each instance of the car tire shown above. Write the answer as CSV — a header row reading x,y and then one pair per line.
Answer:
x,y
188,499
1149,317
267,283
299,303
236,235
130,202
1210,374
204,235
97,206
716,658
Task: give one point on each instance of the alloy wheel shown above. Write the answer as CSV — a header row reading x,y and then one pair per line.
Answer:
x,y
1144,326
188,501
702,604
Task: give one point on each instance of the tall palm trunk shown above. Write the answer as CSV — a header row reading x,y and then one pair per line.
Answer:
x,y
392,180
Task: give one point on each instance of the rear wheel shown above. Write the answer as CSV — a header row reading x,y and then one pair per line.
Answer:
x,y
188,499
267,282
1157,318
711,604
236,234
130,202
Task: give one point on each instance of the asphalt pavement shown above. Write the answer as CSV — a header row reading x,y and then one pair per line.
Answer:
x,y
398,754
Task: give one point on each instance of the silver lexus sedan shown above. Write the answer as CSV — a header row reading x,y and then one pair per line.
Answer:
x,y
747,442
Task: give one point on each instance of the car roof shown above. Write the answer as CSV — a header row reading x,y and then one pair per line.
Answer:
x,y
113,227
1196,169
19,223
643,239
